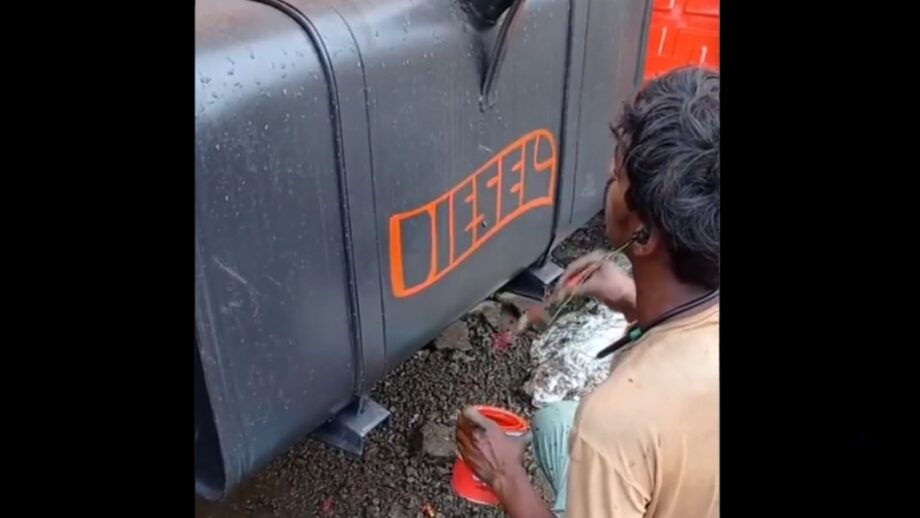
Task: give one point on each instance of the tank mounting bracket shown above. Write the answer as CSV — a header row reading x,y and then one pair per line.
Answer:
x,y
533,282
348,429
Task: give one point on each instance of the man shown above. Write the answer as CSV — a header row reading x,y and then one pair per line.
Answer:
x,y
646,441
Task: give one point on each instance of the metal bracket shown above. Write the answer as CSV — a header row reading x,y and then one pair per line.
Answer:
x,y
348,429
532,282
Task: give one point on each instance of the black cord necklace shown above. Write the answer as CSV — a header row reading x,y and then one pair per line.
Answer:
x,y
637,332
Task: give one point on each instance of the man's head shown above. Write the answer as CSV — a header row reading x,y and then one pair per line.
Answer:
x,y
665,179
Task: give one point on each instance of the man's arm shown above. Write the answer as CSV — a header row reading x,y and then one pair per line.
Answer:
x,y
518,497
608,283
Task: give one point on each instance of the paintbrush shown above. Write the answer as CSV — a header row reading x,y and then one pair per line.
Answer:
x,y
536,313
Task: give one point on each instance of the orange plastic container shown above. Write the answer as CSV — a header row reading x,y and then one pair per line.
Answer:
x,y
464,481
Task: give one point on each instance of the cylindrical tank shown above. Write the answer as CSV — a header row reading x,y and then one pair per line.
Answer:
x,y
365,172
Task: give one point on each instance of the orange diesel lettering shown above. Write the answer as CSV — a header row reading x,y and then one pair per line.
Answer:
x,y
538,140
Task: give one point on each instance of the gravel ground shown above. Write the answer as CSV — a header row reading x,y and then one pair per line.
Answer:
x,y
394,477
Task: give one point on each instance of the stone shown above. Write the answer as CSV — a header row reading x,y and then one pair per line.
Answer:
x,y
398,511
456,338
521,304
491,311
462,356
436,441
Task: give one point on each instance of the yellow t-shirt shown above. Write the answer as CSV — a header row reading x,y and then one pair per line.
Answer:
x,y
646,441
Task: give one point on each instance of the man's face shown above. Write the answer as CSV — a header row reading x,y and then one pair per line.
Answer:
x,y
616,216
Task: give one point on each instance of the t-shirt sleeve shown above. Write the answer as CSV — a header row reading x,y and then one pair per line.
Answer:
x,y
616,484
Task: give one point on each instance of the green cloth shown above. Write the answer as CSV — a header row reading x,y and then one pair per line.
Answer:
x,y
551,427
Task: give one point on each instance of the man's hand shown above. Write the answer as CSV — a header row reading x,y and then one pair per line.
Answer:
x,y
593,276
497,459
492,455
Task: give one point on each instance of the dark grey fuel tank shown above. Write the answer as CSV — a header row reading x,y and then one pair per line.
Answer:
x,y
365,172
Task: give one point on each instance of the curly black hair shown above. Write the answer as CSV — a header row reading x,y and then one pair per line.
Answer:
x,y
669,144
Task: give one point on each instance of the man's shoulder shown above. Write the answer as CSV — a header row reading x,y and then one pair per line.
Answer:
x,y
659,381
666,360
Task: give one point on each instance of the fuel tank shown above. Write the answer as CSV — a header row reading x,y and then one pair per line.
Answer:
x,y
368,170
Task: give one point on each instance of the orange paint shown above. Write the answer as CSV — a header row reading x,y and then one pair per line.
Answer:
x,y
433,214
472,199
495,183
519,168
523,168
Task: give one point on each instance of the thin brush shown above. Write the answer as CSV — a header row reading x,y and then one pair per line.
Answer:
x,y
584,276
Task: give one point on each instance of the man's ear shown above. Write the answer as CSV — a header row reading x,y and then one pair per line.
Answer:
x,y
642,235
646,241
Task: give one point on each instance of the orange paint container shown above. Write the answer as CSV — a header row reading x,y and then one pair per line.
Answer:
x,y
464,481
